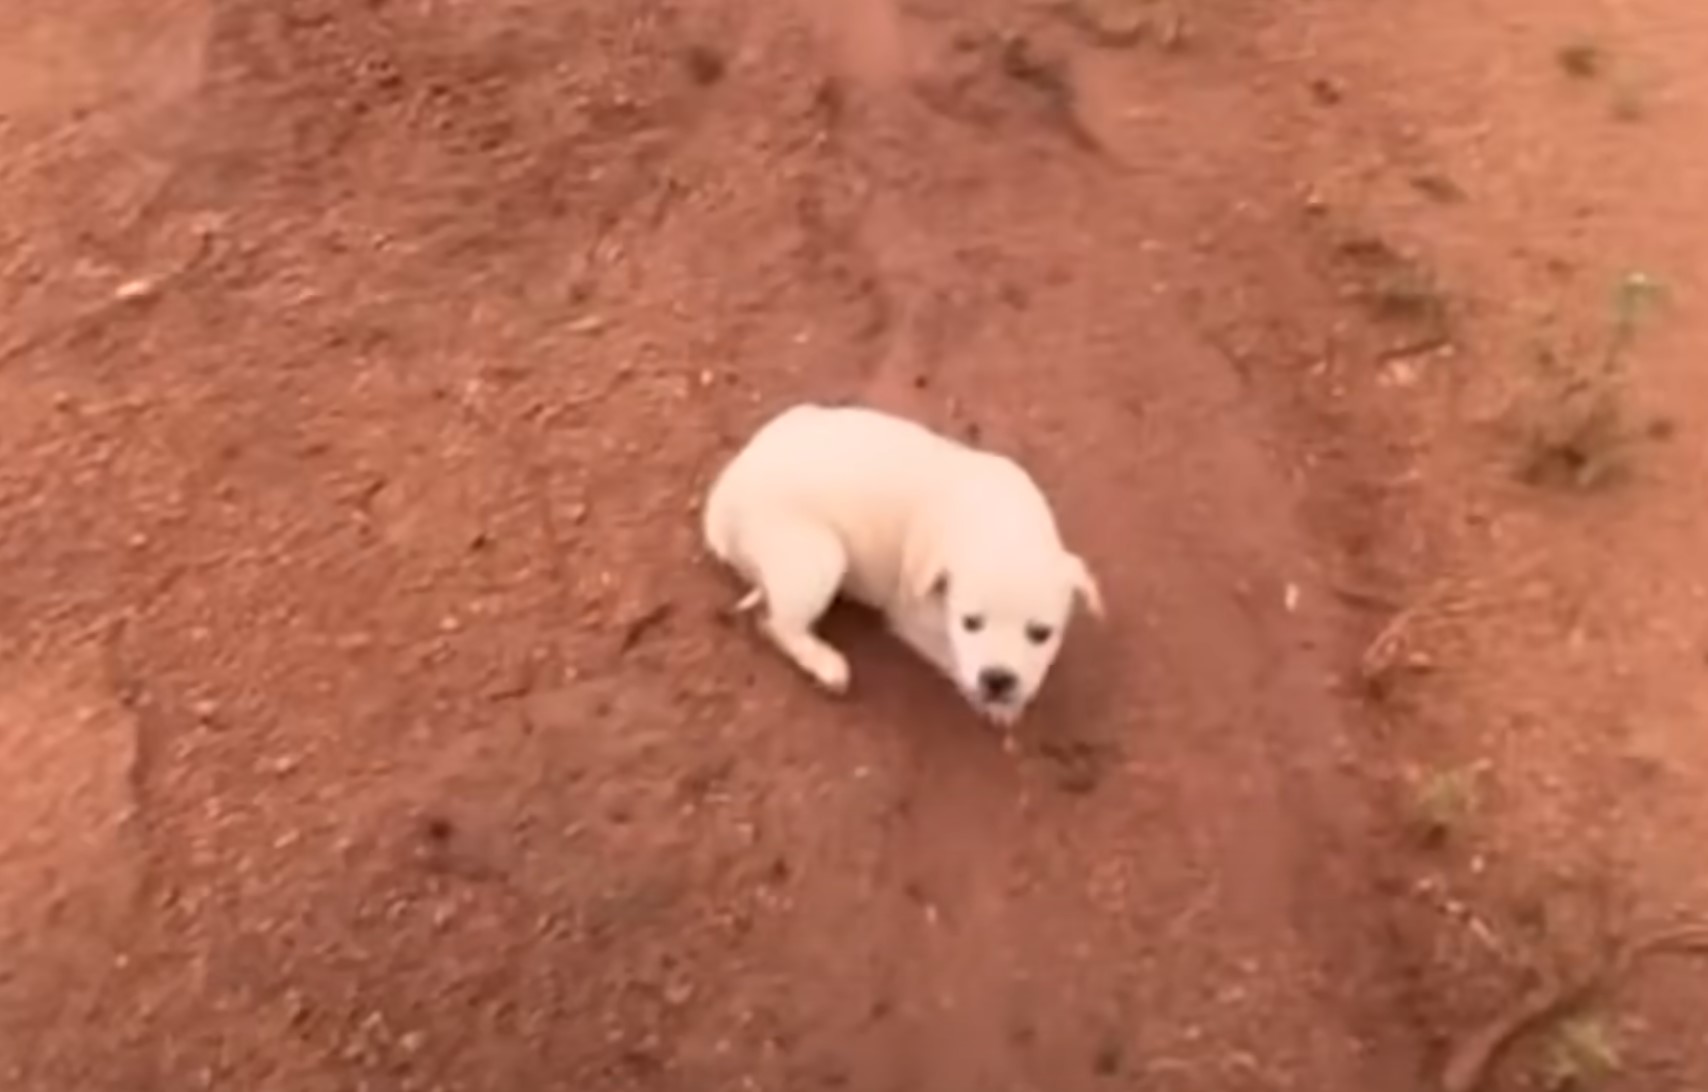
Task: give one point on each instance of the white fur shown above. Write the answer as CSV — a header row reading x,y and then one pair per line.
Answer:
x,y
956,547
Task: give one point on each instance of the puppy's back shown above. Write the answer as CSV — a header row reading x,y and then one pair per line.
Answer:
x,y
832,463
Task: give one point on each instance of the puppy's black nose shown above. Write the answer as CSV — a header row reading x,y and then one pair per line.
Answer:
x,y
997,683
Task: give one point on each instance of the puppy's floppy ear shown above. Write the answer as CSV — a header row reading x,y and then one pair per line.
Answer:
x,y
1079,576
923,572
926,580
939,585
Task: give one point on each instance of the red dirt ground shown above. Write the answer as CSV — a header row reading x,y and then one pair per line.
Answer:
x,y
369,716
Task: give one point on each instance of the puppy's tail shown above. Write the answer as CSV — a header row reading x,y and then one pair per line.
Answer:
x,y
749,602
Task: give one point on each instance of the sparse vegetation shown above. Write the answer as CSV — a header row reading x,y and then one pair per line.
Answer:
x,y
1399,292
1442,801
1581,1053
1579,432
1585,60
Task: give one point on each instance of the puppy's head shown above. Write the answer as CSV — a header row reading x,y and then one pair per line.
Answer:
x,y
1006,615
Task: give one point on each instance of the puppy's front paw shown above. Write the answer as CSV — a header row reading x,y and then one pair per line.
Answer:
x,y
830,669
812,655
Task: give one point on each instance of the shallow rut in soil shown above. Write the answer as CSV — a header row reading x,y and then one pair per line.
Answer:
x,y
1186,864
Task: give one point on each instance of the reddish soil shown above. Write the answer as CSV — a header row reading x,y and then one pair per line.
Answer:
x,y
370,716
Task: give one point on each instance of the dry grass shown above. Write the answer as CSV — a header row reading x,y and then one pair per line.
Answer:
x,y
1443,801
1581,1053
1577,430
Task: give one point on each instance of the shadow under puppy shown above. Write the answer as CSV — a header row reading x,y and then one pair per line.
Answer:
x,y
956,547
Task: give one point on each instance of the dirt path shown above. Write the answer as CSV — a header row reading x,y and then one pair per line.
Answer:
x,y
371,719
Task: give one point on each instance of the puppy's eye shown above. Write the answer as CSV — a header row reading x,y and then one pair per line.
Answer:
x,y
1038,634
972,623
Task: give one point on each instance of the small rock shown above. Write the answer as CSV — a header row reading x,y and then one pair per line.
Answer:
x,y
1400,374
678,993
1111,23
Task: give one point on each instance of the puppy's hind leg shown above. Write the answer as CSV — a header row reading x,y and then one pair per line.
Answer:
x,y
799,568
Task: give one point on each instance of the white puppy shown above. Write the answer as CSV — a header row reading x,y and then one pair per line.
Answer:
x,y
956,547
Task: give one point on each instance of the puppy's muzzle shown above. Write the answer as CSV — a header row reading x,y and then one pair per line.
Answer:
x,y
998,685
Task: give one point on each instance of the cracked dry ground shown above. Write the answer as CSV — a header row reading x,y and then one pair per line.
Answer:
x,y
368,717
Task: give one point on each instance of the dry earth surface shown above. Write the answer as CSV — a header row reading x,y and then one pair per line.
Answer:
x,y
369,714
